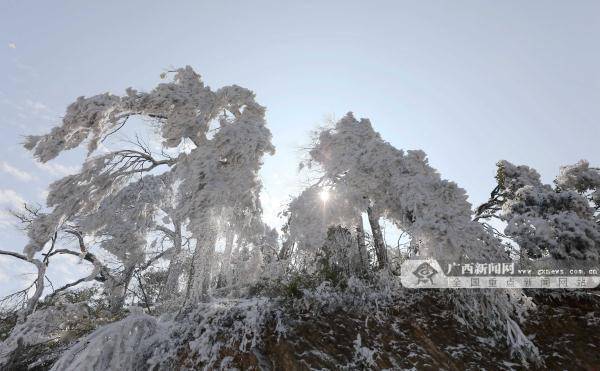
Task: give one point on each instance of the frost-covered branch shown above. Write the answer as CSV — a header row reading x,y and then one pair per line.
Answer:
x,y
14,254
39,281
66,287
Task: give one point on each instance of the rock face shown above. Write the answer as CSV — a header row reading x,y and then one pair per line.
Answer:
x,y
424,335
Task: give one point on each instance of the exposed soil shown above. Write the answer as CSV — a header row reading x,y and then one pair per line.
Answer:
x,y
425,336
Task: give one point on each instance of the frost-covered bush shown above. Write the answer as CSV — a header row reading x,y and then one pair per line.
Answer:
x,y
122,345
195,339
500,312
363,356
46,332
338,258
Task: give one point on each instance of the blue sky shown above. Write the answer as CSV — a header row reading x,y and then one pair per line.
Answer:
x,y
469,82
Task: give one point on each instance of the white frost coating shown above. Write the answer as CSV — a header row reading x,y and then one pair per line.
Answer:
x,y
209,328
545,221
580,177
309,217
123,345
119,198
402,187
223,172
517,341
197,197
42,326
363,356
85,117
584,179
186,105
516,177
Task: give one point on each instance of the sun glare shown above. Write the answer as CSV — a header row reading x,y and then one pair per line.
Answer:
x,y
324,195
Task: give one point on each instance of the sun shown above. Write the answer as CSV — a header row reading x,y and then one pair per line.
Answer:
x,y
324,195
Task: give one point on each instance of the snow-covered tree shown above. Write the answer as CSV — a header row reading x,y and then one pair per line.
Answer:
x,y
213,144
584,179
560,222
371,176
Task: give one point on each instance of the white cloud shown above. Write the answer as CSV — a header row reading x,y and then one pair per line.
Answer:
x,y
56,169
14,274
11,104
6,219
12,45
37,106
43,194
3,276
17,173
9,199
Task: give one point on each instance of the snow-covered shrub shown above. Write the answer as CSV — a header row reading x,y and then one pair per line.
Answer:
x,y
500,312
363,356
198,337
338,259
122,345
45,332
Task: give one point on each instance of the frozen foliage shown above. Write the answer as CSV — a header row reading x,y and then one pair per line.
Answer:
x,y
130,209
309,218
185,106
582,178
499,311
370,175
359,296
579,177
121,199
363,356
123,345
44,326
546,221
210,328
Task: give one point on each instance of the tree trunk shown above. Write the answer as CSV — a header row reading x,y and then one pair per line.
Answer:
x,y
117,290
225,271
39,286
171,287
380,249
202,264
206,271
286,249
360,240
